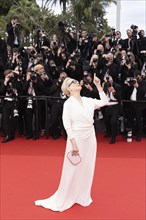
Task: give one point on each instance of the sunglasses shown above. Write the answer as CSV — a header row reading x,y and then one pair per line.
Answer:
x,y
73,82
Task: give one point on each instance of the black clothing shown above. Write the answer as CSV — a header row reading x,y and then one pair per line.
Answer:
x,y
112,112
111,70
3,57
10,107
134,109
13,33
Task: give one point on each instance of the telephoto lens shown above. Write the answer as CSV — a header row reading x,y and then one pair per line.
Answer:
x,y
29,103
16,113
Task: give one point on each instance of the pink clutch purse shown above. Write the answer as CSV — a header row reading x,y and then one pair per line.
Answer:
x,y
75,160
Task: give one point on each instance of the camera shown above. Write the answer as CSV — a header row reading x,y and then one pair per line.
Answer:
x,y
60,81
133,27
131,81
47,52
134,30
18,56
33,76
86,81
15,113
99,52
32,52
107,84
113,51
10,88
95,60
38,29
30,103
128,61
17,25
10,91
105,61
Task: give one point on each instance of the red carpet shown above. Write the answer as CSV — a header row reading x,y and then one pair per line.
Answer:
x,y
31,170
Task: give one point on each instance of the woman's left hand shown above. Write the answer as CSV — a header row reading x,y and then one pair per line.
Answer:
x,y
96,80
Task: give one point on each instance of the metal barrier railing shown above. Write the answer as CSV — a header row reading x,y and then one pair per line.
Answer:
x,y
46,99
38,98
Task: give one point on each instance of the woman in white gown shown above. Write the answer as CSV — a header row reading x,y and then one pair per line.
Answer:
x,y
76,180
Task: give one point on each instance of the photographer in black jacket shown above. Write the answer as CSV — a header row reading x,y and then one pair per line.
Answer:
x,y
11,88
37,83
135,92
111,112
13,30
56,107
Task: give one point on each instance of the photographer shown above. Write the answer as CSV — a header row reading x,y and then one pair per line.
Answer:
x,y
53,69
109,68
40,39
128,66
3,57
37,83
118,43
67,37
13,31
131,43
106,41
73,69
17,59
84,44
111,112
56,107
11,88
135,93
94,66
88,87
54,42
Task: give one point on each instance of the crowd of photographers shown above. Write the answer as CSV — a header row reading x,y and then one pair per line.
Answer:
x,y
38,70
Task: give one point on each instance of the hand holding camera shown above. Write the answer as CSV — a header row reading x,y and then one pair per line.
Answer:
x,y
8,77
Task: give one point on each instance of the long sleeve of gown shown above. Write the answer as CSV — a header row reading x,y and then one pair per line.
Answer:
x,y
67,120
102,102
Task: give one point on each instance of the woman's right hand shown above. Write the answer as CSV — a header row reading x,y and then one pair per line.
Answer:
x,y
75,150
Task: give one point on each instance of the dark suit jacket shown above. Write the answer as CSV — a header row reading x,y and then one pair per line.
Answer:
x,y
11,35
140,96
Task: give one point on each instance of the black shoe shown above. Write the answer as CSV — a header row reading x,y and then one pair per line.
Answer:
x,y
7,138
138,139
112,141
56,136
35,137
29,137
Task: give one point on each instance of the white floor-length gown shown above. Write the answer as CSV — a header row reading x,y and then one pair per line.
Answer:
x,y
76,180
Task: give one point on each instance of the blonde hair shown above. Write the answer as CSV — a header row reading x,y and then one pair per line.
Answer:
x,y
37,67
64,86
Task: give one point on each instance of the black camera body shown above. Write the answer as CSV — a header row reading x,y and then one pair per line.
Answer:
x,y
134,30
95,60
99,52
86,81
133,27
10,88
33,76
131,81
105,61
128,61
107,84
60,81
